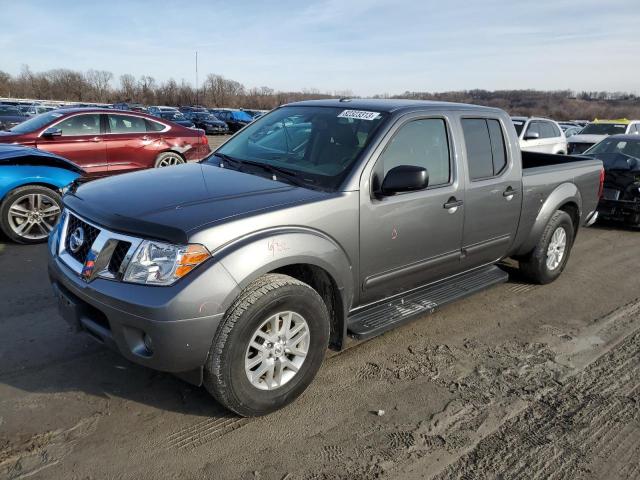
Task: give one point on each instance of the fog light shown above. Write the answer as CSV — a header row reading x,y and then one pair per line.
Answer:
x,y
148,343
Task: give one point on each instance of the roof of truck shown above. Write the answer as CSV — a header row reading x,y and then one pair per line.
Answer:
x,y
389,105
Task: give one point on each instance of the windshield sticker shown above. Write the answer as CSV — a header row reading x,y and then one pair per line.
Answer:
x,y
359,114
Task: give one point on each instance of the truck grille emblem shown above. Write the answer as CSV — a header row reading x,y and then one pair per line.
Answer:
x,y
76,240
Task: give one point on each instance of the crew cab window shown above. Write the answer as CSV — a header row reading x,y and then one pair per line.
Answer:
x,y
126,124
80,125
486,153
422,143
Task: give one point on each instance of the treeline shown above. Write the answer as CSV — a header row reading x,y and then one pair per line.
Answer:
x,y
218,91
560,104
102,87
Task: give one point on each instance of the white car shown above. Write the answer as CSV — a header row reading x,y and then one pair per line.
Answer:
x,y
598,130
540,135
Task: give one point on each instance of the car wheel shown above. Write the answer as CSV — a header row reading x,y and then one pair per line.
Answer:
x,y
550,256
269,346
28,214
168,159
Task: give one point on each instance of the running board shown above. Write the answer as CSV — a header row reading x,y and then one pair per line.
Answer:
x,y
385,316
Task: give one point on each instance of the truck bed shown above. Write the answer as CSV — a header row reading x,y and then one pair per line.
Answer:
x,y
542,175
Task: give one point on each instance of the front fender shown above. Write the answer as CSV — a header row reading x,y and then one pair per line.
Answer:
x,y
14,176
565,193
254,255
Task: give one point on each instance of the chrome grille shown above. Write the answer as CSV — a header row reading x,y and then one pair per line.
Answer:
x,y
90,233
110,251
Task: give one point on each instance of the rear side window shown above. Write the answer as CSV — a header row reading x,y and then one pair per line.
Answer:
x,y
154,126
127,124
486,153
421,143
548,130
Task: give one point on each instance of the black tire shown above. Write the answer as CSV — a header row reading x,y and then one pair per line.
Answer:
x,y
15,195
224,370
164,157
534,266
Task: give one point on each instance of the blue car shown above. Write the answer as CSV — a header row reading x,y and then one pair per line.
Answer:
x,y
31,181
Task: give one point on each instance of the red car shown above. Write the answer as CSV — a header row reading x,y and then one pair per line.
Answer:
x,y
103,141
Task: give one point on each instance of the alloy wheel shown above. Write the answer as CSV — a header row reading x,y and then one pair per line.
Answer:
x,y
33,216
277,350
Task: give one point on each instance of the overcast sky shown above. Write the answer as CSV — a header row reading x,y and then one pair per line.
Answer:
x,y
366,46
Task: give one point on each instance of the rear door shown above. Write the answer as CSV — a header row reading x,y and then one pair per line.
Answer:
x,y
81,142
132,142
410,239
493,191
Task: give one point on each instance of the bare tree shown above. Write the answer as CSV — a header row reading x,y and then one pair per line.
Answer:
x,y
100,82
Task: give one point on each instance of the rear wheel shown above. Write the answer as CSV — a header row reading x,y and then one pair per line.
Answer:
x,y
28,214
168,159
269,346
550,256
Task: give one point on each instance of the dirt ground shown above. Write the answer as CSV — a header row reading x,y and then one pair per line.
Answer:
x,y
519,381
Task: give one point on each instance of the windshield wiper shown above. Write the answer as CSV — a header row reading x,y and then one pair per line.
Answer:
x,y
275,171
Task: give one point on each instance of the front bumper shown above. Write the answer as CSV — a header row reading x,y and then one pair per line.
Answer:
x,y
620,210
165,328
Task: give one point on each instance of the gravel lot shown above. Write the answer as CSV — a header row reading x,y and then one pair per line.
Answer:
x,y
520,381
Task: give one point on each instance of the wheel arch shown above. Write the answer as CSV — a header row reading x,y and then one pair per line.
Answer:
x,y
565,197
307,255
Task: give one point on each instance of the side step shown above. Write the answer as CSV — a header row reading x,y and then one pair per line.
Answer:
x,y
385,316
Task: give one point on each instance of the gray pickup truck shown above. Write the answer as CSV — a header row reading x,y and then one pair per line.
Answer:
x,y
320,222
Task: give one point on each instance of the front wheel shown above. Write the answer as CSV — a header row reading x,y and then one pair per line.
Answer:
x,y
269,346
551,254
28,214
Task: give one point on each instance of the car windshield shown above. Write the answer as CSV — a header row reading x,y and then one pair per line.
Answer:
x,y
37,122
614,146
604,129
318,144
172,115
519,124
242,116
8,110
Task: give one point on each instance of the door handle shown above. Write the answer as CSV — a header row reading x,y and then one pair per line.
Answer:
x,y
96,139
145,138
452,204
509,192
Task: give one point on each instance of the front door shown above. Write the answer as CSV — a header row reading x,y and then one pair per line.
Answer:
x,y
493,192
413,238
81,141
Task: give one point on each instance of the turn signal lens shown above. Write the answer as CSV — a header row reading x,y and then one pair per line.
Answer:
x,y
190,259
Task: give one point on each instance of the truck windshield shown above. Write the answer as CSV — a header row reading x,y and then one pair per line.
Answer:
x,y
318,144
604,129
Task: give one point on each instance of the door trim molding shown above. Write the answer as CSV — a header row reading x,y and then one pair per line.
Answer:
x,y
378,278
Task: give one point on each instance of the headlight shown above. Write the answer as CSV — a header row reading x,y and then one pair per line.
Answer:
x,y
157,263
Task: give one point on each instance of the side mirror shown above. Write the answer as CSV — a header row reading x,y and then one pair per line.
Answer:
x,y
52,132
531,136
405,178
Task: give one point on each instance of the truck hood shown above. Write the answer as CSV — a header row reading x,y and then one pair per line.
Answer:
x,y
172,203
586,138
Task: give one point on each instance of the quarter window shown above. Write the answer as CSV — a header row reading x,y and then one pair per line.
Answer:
x,y
486,152
422,143
80,125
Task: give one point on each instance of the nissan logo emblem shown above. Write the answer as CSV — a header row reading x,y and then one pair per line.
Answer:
x,y
76,240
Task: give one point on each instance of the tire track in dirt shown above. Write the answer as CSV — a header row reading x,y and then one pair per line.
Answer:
x,y
597,414
205,431
520,410
43,450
